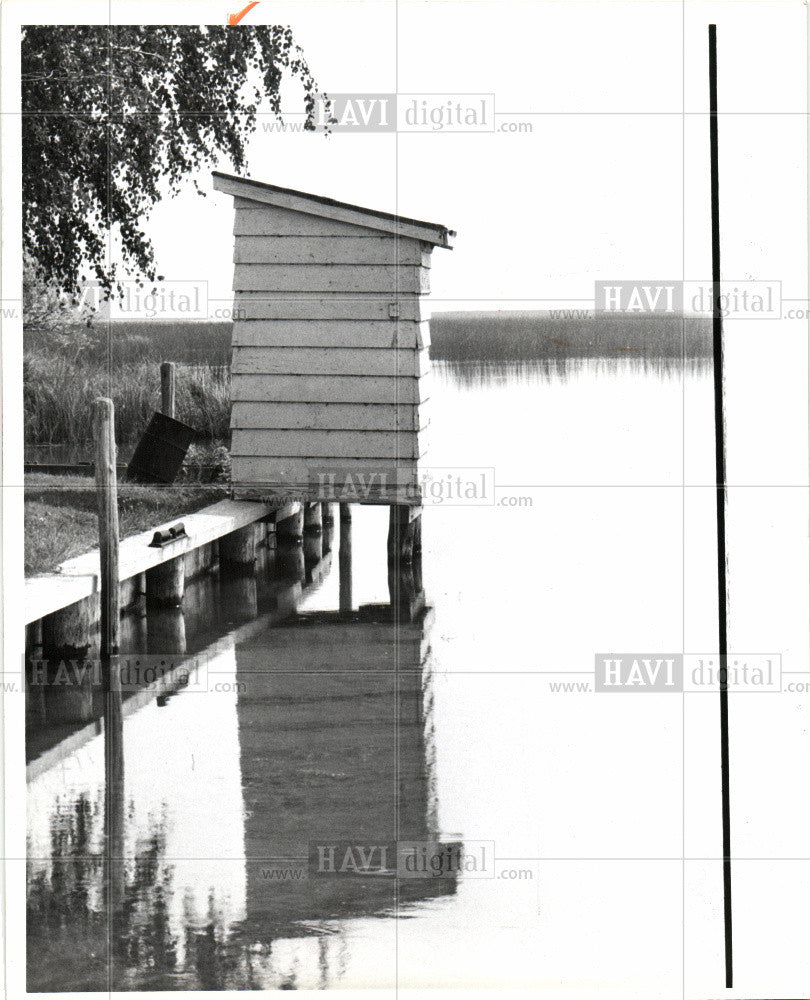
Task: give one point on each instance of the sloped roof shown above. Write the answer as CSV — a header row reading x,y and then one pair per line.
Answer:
x,y
329,208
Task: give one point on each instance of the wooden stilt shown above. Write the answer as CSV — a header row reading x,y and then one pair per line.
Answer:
x,y
313,523
166,584
239,547
290,564
71,629
328,519
291,527
345,564
313,546
107,493
402,532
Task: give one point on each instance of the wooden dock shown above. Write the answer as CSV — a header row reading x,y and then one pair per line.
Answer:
x,y
79,578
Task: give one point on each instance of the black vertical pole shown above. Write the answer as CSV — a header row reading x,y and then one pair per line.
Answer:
x,y
720,467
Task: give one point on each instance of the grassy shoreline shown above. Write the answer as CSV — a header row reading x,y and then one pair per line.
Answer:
x,y
61,519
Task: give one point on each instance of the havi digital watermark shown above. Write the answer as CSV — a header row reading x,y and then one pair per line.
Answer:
x,y
687,672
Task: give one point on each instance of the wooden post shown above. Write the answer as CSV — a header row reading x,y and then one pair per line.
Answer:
x,y
720,499
239,547
107,495
291,528
167,388
328,519
402,532
313,524
166,583
345,564
313,548
290,563
345,514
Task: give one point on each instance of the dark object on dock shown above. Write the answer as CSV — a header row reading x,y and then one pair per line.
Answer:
x,y
160,452
162,538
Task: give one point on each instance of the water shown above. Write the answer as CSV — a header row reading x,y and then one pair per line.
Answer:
x,y
603,810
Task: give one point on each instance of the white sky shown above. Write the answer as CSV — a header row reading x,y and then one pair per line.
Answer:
x,y
611,183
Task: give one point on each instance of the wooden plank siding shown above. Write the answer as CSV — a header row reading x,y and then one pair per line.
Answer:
x,y
254,414
337,444
345,278
364,251
330,368
364,361
308,305
331,333
331,389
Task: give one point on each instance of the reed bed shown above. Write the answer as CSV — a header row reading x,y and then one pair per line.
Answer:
x,y
528,336
58,393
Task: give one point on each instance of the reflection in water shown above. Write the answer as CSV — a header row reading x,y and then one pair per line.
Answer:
x,y
223,790
475,374
168,847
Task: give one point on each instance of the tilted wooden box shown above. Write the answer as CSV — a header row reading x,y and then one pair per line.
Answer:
x,y
330,351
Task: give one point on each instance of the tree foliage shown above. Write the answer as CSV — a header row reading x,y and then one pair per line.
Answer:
x,y
115,117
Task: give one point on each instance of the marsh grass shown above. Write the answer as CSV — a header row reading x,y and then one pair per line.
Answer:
x,y
58,394
527,336
125,341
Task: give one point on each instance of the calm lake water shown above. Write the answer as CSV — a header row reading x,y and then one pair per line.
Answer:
x,y
324,720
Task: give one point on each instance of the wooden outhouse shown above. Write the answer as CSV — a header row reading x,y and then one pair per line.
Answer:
x,y
330,349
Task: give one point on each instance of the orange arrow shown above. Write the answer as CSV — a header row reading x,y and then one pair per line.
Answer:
x,y
236,18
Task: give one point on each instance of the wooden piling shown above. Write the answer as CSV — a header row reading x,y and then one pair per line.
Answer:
x,y
166,584
345,565
313,548
239,547
290,563
34,693
70,628
402,530
313,518
107,496
63,691
167,388
291,528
